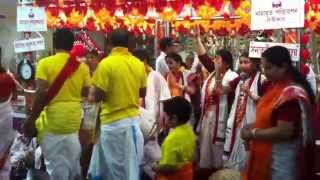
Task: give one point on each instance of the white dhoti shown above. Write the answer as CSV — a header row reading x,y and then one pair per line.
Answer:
x,y
62,156
118,152
7,137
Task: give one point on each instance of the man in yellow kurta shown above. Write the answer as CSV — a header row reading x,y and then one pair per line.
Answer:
x,y
118,81
57,124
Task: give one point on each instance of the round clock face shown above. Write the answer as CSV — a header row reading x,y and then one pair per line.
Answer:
x,y
26,71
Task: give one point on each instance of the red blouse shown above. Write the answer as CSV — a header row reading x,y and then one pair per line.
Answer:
x,y
7,85
289,111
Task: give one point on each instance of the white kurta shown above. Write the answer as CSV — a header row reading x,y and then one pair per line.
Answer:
x,y
211,153
157,90
161,65
237,153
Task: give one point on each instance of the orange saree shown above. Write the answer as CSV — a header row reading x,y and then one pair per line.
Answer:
x,y
260,158
184,173
175,83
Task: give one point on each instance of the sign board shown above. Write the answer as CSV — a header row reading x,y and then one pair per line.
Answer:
x,y
22,2
31,19
277,14
28,45
257,48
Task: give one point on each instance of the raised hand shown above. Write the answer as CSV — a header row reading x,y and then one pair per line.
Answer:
x,y
198,32
201,50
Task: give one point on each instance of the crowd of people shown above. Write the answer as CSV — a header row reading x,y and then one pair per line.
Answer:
x,y
192,118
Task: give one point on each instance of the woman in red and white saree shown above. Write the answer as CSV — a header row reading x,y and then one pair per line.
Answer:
x,y
248,88
281,131
215,107
7,91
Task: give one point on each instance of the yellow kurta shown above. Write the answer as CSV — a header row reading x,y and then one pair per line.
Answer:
x,y
120,76
63,114
178,148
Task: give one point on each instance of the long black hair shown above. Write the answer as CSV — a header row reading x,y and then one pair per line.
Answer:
x,y
226,57
279,56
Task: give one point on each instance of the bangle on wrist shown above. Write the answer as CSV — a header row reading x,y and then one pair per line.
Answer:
x,y
253,133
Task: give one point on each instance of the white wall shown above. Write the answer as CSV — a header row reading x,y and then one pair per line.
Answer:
x,y
8,33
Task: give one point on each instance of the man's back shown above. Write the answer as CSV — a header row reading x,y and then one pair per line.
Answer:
x,y
49,68
64,111
120,76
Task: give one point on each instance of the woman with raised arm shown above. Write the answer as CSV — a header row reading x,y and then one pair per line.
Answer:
x,y
215,107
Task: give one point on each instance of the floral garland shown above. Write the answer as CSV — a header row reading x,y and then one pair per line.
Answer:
x,y
139,16
83,38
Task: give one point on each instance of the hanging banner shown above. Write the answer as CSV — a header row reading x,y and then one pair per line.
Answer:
x,y
277,14
31,19
257,48
29,45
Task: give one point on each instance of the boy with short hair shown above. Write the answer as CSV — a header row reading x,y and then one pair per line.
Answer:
x,y
178,149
